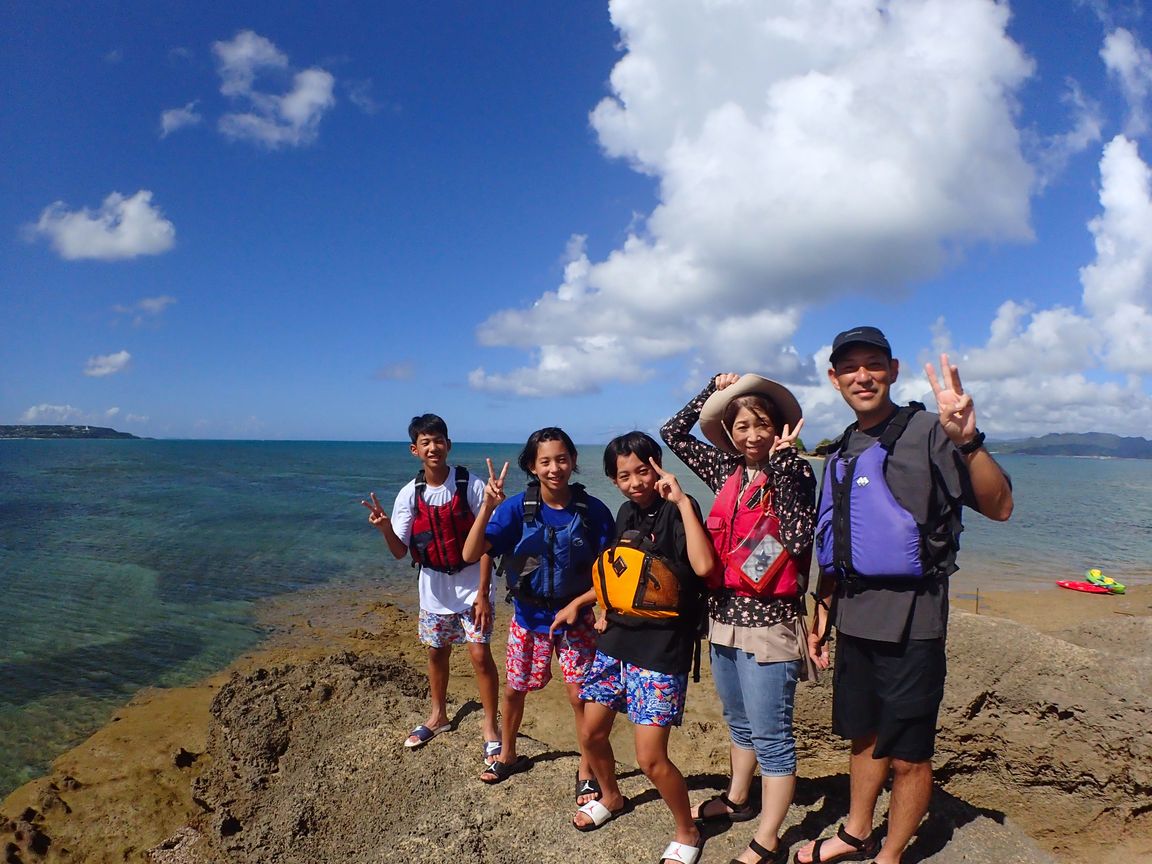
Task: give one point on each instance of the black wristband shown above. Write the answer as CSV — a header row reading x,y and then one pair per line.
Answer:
x,y
972,446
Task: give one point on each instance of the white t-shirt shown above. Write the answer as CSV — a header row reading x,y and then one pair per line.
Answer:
x,y
441,593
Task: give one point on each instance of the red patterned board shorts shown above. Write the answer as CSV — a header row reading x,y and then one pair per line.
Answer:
x,y
529,664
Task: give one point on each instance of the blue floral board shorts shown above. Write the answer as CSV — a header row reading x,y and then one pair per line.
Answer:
x,y
650,698
437,630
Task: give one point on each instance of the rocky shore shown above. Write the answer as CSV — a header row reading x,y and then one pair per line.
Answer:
x,y
294,754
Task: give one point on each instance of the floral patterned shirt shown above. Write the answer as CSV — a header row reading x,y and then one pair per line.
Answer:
x,y
794,498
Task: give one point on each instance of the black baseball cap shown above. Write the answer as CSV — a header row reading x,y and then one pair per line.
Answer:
x,y
860,336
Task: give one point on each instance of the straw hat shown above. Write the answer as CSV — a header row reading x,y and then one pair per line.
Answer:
x,y
712,414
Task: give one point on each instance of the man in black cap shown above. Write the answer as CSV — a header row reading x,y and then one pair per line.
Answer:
x,y
887,531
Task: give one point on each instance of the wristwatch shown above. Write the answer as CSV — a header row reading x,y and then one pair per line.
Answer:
x,y
972,446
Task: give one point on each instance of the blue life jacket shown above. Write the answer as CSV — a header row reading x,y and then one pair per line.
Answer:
x,y
551,566
862,531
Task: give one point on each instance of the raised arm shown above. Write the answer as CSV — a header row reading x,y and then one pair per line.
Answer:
x,y
711,465
957,411
793,491
379,520
476,544
701,554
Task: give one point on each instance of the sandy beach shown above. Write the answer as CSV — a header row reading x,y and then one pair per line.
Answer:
x,y
1044,752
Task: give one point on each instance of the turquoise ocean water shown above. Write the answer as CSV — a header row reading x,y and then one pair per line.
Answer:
x,y
133,563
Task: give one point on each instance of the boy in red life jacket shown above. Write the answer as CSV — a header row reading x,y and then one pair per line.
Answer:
x,y
430,520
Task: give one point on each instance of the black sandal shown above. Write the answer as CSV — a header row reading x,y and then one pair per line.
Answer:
x,y
739,812
499,771
780,856
862,849
587,786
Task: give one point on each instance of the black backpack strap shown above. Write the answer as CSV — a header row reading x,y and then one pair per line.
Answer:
x,y
580,503
532,502
898,424
421,485
462,489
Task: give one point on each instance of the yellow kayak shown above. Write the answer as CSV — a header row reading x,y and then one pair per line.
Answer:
x,y
1096,577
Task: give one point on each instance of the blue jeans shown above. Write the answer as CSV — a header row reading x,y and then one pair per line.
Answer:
x,y
758,699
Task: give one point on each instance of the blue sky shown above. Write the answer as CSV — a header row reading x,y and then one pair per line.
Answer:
x,y
290,220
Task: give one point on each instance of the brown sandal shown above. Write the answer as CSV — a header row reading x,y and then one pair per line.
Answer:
x,y
862,850
780,856
739,812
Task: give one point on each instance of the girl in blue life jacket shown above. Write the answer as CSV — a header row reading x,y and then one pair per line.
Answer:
x,y
549,536
761,526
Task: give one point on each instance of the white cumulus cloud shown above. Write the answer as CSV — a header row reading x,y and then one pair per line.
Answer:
x,y
803,151
1020,335
107,364
1079,369
1130,62
121,228
1118,284
179,118
287,118
1056,151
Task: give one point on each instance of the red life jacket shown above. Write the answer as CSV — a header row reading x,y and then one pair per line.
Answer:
x,y
745,533
438,533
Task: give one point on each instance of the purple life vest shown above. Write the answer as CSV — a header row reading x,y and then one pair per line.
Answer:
x,y
862,531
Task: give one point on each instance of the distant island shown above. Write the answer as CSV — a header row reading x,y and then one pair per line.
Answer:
x,y
1097,444
62,432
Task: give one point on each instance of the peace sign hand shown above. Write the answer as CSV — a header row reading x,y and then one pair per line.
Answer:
x,y
787,437
376,516
494,488
957,412
667,486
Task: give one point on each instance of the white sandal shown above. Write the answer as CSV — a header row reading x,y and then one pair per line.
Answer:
x,y
599,814
681,852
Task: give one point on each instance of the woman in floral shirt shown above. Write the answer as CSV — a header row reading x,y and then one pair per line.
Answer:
x,y
756,630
